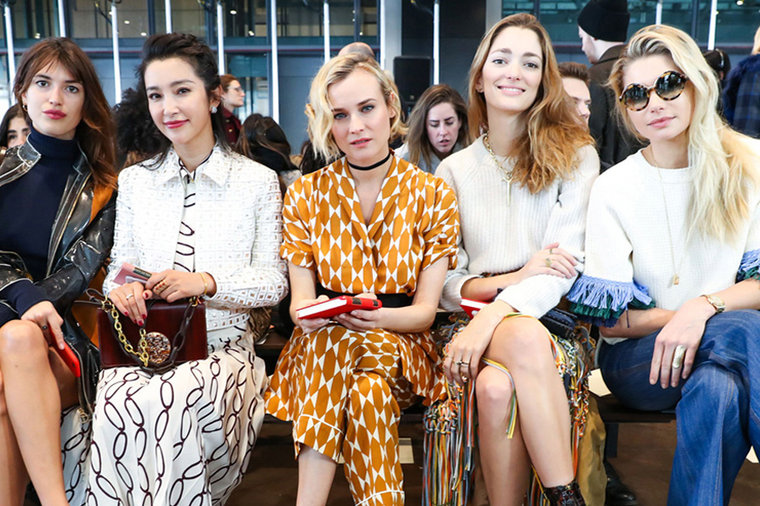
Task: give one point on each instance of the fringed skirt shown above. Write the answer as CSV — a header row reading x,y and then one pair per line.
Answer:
x,y
449,425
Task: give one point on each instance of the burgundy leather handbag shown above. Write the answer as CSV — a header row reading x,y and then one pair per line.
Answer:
x,y
173,333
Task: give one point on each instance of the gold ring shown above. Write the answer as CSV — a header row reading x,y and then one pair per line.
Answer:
x,y
548,262
465,378
159,287
551,251
678,356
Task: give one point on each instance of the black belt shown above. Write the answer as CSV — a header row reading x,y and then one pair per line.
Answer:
x,y
388,299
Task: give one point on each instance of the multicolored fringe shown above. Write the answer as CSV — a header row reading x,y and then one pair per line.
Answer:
x,y
602,302
449,440
750,266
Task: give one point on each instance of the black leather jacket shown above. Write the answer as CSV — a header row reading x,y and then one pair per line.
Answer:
x,y
78,246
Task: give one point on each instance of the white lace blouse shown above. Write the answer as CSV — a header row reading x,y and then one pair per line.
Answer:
x,y
237,235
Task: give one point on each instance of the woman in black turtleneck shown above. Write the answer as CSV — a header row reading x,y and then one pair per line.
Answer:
x,y
57,215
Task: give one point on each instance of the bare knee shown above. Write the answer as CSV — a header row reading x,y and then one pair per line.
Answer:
x,y
520,343
22,338
493,389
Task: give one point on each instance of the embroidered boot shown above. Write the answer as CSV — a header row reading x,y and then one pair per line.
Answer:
x,y
565,495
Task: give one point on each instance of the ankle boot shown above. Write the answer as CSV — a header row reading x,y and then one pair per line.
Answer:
x,y
565,495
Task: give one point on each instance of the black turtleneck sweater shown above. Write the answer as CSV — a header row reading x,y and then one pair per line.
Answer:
x,y
28,207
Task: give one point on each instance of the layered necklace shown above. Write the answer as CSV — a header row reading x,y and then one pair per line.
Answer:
x,y
676,267
506,175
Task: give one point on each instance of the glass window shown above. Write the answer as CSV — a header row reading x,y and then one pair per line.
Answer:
x,y
736,23
245,18
35,19
190,16
251,71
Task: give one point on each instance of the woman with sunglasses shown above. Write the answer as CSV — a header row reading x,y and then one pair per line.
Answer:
x,y
673,262
522,188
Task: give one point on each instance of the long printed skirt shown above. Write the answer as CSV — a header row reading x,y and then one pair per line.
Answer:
x,y
179,438
344,391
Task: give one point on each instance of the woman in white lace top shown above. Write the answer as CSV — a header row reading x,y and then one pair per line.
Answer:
x,y
207,222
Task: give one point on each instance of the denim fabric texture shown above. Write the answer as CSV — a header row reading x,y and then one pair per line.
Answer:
x,y
717,408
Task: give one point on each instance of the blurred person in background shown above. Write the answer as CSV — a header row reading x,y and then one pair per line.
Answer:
x,y
233,96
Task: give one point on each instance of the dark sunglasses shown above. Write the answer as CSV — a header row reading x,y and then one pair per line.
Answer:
x,y
668,87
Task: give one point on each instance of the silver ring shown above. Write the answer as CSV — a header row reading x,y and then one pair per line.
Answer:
x,y
460,363
44,327
678,356
129,296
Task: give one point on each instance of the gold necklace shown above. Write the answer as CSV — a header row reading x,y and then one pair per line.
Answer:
x,y
675,279
506,175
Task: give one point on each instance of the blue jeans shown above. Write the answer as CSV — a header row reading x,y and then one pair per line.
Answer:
x,y
717,408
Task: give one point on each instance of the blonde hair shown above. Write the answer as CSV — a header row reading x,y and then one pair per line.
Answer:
x,y
722,161
319,110
756,45
548,148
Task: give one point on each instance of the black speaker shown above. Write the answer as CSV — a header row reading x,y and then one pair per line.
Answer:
x,y
412,75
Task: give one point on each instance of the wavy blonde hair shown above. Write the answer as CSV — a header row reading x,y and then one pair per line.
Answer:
x,y
319,110
725,167
756,44
553,135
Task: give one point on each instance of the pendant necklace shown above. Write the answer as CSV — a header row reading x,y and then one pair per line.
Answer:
x,y
676,278
506,175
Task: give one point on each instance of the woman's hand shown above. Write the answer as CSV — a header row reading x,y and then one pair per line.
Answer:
x,y
361,319
129,299
551,260
44,314
308,325
462,360
173,285
684,329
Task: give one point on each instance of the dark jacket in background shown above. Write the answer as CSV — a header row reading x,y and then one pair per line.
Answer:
x,y
613,141
741,96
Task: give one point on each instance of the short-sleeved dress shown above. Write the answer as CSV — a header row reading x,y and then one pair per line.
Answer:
x,y
326,381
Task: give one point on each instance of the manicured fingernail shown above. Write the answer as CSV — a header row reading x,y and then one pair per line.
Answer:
x,y
144,316
145,295
126,314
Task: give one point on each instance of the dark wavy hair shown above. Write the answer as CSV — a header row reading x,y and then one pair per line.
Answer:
x,y
417,138
137,137
95,132
263,140
15,111
199,56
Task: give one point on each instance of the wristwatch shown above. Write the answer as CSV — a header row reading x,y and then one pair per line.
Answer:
x,y
715,302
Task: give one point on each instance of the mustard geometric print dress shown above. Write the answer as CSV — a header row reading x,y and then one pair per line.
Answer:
x,y
343,389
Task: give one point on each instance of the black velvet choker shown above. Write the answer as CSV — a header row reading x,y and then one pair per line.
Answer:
x,y
370,167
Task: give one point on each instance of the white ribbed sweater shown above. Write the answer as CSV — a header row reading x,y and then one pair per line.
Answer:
x,y
628,239
497,237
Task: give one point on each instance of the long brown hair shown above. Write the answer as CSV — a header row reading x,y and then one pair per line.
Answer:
x,y
417,138
548,148
95,132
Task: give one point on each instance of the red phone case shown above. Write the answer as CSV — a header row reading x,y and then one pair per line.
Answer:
x,y
69,358
338,305
471,306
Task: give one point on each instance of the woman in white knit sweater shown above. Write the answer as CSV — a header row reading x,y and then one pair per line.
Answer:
x,y
673,240
522,189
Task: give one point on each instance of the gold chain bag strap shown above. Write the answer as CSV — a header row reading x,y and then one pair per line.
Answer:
x,y
173,333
